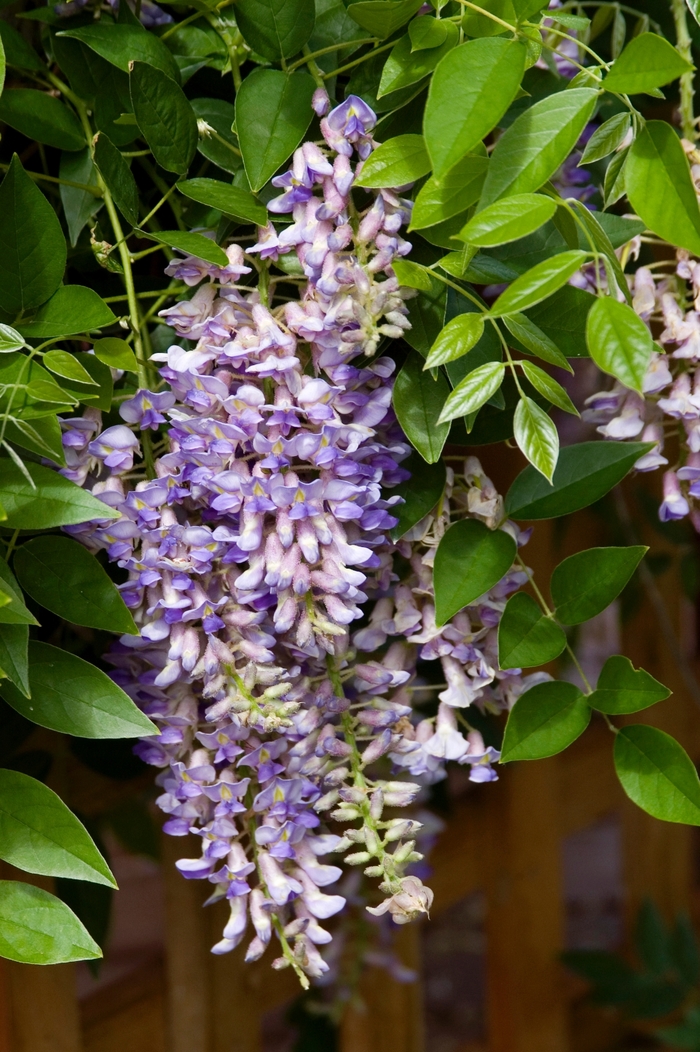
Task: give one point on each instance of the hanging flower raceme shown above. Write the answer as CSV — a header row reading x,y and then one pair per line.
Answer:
x,y
259,542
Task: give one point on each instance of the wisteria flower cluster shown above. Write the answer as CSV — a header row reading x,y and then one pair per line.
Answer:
x,y
263,536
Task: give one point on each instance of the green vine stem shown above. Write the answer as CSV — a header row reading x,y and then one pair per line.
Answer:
x,y
684,48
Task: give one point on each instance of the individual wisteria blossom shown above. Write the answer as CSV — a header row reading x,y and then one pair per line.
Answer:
x,y
282,633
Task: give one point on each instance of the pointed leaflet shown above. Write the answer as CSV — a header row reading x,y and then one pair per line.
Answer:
x,y
413,275
660,188
14,662
471,392
584,473
471,89
586,583
544,721
164,116
72,696
121,45
396,162
607,138
220,116
508,220
657,774
534,341
622,688
538,283
647,62
39,834
273,111
230,200
276,29
427,32
115,353
383,17
193,244
53,501
42,117
420,493
469,560
79,206
32,246
71,309
534,146
536,436
456,339
62,576
548,387
619,342
13,612
118,178
405,67
37,928
526,636
65,364
456,191
418,400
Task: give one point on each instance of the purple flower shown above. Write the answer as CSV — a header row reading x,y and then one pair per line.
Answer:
x,y
145,409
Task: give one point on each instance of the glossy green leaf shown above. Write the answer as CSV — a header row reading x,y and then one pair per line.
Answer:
x,y
544,721
228,199
412,275
62,576
508,220
619,342
586,583
37,928
18,52
71,309
118,178
470,91
276,28
657,774
10,340
115,353
536,436
62,363
418,400
614,182
476,24
562,318
220,116
42,436
101,396
406,66
598,235
123,44
427,32
584,473
469,560
420,494
164,116
534,341
426,313
32,246
79,206
273,111
39,834
548,387
471,392
606,139
12,611
456,339
621,688
526,637
457,190
647,62
537,142
42,117
14,655
383,17
55,500
192,245
660,187
538,283
72,696
396,162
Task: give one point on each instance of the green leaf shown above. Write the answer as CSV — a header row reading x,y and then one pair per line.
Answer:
x,y
508,220
562,318
457,190
418,400
14,662
615,174
32,246
72,696
13,611
456,339
538,283
647,62
475,24
584,473
606,139
62,576
657,774
121,45
470,560
10,340
426,313
622,688
18,52
42,117
420,493
191,244
276,29
536,436
406,66
471,392
39,834
383,17
535,341
619,342
220,116
544,721
427,32
164,116
118,178
396,162
232,201
548,386
79,206
42,436
596,232
471,89
660,188
537,142
55,500
586,583
526,637
115,353
37,928
273,111
100,373
71,309
62,363
412,275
